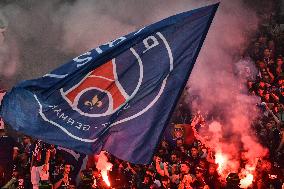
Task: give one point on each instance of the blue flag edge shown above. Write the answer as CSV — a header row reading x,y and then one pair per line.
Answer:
x,y
206,29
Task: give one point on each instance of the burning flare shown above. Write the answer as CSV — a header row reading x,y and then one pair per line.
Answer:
x,y
105,177
104,166
222,161
246,175
247,181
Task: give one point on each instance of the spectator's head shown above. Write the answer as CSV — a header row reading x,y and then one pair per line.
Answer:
x,y
24,157
179,142
272,122
266,53
281,89
158,159
15,173
280,107
178,131
26,140
261,84
262,39
60,159
280,83
271,44
212,169
174,158
199,172
174,169
52,146
184,167
268,125
164,144
261,64
194,151
150,171
182,149
147,179
198,144
260,92
67,168
266,97
279,60
263,132
165,181
202,164
162,151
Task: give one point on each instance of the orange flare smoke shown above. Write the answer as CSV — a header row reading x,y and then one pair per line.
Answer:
x,y
247,181
222,161
104,166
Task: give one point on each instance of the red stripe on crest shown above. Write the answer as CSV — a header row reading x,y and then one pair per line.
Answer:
x,y
102,78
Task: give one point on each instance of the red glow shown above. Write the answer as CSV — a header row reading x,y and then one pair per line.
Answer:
x,y
222,161
104,166
247,181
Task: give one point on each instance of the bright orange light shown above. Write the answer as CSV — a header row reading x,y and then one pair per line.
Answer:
x,y
247,181
104,166
221,160
105,177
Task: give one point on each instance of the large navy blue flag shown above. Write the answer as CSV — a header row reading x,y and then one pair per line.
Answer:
x,y
117,97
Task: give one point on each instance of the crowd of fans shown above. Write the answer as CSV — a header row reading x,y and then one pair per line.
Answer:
x,y
267,52
269,86
29,163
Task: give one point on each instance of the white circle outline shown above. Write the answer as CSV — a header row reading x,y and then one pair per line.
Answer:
x,y
161,89
125,119
110,110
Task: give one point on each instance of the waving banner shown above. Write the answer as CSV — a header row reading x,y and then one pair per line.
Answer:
x,y
118,96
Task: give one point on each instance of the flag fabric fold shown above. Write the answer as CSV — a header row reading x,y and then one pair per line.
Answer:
x,y
117,97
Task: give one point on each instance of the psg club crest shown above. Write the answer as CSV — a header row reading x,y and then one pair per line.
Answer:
x,y
113,93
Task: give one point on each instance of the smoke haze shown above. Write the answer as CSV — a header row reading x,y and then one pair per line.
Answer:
x,y
41,35
38,36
